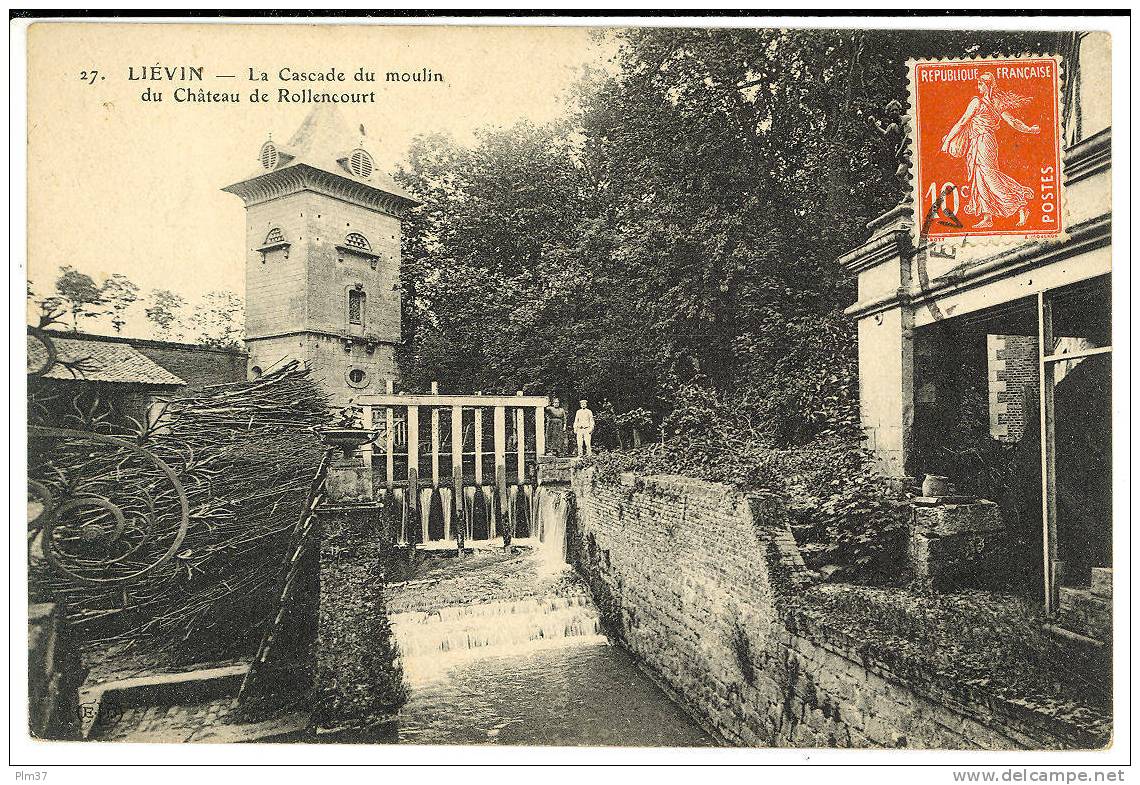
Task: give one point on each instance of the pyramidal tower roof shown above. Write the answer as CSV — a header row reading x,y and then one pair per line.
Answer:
x,y
324,138
327,143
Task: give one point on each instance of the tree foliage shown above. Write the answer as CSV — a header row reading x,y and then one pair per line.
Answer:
x,y
119,293
165,313
679,226
78,294
219,321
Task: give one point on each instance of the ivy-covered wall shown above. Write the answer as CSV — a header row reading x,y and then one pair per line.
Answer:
x,y
359,684
702,583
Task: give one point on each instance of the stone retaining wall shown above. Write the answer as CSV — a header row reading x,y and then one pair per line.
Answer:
x,y
699,582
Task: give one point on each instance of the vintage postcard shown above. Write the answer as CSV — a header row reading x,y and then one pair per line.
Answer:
x,y
570,389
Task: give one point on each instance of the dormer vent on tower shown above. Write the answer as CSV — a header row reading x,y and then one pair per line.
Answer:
x,y
357,241
360,163
269,157
274,241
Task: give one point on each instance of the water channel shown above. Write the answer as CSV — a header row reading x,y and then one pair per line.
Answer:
x,y
523,661
580,695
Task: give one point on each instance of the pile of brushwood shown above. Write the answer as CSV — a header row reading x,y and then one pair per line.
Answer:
x,y
247,456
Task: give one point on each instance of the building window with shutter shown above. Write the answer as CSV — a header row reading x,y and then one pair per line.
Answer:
x,y
356,306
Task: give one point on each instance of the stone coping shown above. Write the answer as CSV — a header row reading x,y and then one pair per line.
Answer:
x,y
161,689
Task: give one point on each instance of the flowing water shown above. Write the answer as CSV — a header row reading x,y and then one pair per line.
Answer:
x,y
583,695
529,668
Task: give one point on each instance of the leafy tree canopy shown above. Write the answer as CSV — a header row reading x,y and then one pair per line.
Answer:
x,y
164,313
78,294
678,226
219,320
119,293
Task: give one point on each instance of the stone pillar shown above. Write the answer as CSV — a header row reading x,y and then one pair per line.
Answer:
x,y
350,479
886,335
54,676
359,684
959,546
555,518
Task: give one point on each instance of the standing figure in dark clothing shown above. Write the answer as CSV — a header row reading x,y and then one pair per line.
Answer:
x,y
556,429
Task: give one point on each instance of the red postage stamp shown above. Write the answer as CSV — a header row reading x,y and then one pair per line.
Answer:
x,y
987,147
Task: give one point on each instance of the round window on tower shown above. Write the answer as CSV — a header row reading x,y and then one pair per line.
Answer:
x,y
360,163
357,377
269,156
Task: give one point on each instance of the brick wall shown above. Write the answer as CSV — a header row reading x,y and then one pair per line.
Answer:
x,y
275,282
1012,373
199,367
333,273
700,584
329,361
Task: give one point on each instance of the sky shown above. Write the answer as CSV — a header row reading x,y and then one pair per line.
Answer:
x,y
118,184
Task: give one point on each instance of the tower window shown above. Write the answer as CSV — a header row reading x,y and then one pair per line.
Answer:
x,y
358,241
357,377
360,163
269,155
356,306
275,236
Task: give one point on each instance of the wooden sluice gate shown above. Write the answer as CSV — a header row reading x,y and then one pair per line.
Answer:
x,y
444,461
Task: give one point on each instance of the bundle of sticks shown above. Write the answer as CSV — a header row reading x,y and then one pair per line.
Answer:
x,y
245,454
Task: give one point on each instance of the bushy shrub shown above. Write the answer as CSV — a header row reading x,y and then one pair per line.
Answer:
x,y
635,426
865,521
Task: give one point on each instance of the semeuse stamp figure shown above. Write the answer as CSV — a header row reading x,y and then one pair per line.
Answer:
x,y
984,168
992,191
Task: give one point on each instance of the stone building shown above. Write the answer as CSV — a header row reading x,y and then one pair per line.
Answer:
x,y
129,377
1016,337
322,257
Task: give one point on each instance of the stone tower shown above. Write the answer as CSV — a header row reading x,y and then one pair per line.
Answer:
x,y
322,258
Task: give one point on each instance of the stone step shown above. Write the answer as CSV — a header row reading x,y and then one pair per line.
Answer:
x,y
1102,582
1085,613
107,701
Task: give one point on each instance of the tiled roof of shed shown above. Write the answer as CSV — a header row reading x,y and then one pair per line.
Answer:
x,y
99,362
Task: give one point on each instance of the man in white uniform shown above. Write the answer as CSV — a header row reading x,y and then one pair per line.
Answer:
x,y
584,429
